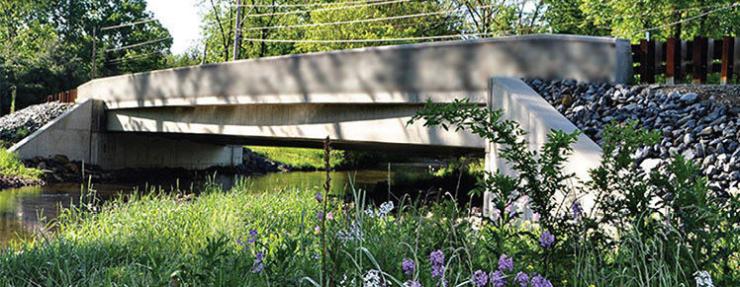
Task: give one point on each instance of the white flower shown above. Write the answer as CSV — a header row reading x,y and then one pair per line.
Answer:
x,y
703,279
353,233
385,208
372,279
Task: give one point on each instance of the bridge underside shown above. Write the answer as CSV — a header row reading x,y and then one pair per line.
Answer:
x,y
228,140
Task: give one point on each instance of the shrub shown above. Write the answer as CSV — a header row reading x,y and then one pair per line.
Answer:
x,y
10,165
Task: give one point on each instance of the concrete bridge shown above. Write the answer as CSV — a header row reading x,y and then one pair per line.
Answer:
x,y
199,116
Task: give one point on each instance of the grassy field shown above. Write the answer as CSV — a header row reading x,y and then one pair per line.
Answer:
x,y
10,165
299,158
251,237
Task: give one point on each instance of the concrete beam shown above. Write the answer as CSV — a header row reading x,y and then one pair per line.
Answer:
x,y
359,123
405,74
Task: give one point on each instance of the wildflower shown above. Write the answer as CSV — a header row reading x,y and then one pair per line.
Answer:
x,y
495,214
539,281
412,283
330,215
385,208
353,233
252,236
258,265
498,279
372,279
703,279
547,239
522,279
577,210
369,212
317,229
319,197
320,215
505,263
535,216
480,278
408,266
437,259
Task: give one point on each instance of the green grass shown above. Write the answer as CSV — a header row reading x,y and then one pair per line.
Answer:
x,y
171,239
299,158
10,165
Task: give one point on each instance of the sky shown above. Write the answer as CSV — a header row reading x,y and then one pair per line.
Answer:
x,y
181,18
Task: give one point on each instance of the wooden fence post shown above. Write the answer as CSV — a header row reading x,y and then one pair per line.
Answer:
x,y
699,60
728,45
647,61
673,61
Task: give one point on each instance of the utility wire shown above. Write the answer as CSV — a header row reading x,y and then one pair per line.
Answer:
x,y
127,24
736,4
138,44
305,4
362,20
134,57
403,39
327,9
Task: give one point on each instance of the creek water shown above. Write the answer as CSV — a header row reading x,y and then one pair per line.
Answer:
x,y
26,212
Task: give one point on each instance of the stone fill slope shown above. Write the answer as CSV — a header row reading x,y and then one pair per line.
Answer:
x,y
699,122
14,127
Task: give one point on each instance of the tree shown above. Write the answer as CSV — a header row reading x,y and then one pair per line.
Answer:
x,y
46,46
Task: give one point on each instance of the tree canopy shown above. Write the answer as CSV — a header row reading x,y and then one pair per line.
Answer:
x,y
46,46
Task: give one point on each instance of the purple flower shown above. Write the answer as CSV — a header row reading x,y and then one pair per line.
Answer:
x,y
539,281
320,215
319,197
577,210
505,263
498,279
412,283
437,259
480,278
522,279
408,266
547,239
252,236
257,267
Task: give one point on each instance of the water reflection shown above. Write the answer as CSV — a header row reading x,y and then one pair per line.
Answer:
x,y
25,211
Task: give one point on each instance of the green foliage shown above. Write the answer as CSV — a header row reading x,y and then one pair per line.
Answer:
x,y
10,165
665,222
46,46
299,158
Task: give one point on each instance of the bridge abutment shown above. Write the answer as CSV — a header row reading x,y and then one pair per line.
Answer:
x,y
80,135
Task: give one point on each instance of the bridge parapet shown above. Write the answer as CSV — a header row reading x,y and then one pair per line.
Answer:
x,y
405,74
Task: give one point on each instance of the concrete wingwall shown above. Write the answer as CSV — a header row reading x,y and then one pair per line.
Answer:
x,y
536,116
80,135
392,74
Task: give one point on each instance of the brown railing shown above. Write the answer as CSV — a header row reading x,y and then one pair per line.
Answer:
x,y
64,97
678,60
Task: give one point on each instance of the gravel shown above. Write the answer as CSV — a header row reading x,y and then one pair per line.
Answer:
x,y
700,124
14,127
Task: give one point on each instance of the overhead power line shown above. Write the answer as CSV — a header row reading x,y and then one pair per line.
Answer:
x,y
402,39
363,20
328,8
134,57
736,4
127,24
138,44
305,4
